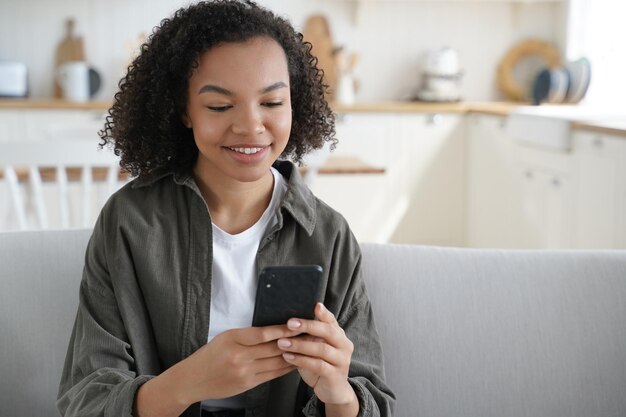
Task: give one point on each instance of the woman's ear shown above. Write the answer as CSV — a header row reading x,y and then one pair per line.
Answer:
x,y
186,120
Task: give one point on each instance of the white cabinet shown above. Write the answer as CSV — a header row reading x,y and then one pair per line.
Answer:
x,y
431,171
518,196
35,125
420,197
547,200
493,184
363,198
601,199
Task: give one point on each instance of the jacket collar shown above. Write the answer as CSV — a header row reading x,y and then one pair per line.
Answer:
x,y
299,201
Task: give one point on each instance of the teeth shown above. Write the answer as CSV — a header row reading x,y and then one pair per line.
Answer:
x,y
247,151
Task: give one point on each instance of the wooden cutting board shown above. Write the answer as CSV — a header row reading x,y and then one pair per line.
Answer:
x,y
317,32
69,49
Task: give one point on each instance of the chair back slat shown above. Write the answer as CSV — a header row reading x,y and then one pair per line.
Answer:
x,y
86,180
36,201
37,196
16,196
62,185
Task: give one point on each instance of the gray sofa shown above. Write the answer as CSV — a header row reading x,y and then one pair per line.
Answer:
x,y
466,333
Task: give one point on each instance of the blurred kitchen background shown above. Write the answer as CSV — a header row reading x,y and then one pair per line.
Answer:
x,y
441,138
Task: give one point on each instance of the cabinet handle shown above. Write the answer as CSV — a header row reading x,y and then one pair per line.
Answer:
x,y
556,182
502,123
529,175
434,119
598,142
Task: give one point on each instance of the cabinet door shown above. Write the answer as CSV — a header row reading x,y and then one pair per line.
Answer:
x,y
39,125
8,124
430,166
494,185
600,190
420,197
518,197
363,199
548,209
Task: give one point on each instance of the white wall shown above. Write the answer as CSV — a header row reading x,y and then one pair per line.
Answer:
x,y
389,36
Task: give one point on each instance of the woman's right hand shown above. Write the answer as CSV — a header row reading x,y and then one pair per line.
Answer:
x,y
235,361
231,363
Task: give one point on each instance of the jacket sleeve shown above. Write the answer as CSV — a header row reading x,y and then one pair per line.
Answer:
x,y
99,377
346,289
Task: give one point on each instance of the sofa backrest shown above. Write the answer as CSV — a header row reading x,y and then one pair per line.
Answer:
x,y
468,333
495,333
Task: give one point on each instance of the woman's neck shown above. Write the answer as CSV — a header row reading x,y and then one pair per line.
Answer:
x,y
235,206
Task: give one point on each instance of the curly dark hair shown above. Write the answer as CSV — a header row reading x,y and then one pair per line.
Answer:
x,y
144,125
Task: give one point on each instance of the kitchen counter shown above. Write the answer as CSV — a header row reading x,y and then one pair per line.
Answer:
x,y
52,104
609,126
498,108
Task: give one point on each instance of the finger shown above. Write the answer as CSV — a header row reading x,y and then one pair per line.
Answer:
x,y
265,350
314,365
318,350
325,315
250,336
331,333
269,364
275,373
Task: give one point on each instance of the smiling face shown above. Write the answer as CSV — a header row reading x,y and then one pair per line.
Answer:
x,y
239,108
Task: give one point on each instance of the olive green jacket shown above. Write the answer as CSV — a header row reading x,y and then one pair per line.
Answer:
x,y
146,291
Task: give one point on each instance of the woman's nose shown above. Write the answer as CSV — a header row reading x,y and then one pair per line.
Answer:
x,y
248,122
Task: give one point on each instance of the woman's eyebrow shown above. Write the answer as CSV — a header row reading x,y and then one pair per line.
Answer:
x,y
210,87
273,87
215,89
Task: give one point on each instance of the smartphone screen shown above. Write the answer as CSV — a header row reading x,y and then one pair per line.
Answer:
x,y
284,292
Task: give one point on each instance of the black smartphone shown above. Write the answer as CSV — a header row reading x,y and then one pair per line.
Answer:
x,y
284,292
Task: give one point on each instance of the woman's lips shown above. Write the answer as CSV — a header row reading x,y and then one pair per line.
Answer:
x,y
247,153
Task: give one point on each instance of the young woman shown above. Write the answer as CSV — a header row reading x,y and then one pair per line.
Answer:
x,y
218,93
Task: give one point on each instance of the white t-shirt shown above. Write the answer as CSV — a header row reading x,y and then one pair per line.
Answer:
x,y
234,280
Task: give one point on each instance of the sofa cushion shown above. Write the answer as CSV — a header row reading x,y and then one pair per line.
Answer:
x,y
480,333
39,277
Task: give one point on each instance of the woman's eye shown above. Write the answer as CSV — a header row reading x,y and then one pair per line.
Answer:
x,y
273,104
219,108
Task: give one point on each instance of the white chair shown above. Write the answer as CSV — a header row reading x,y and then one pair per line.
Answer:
x,y
77,202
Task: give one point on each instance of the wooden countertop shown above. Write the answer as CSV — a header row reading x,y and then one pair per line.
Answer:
x,y
52,104
499,108
496,108
609,127
493,108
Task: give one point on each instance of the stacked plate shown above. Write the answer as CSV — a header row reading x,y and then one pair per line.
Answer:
x,y
563,85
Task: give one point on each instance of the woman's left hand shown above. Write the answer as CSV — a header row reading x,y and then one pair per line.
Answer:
x,y
322,357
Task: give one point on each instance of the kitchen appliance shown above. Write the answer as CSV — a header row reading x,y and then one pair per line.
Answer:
x,y
13,79
441,78
79,82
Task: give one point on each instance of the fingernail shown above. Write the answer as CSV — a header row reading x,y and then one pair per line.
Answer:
x,y
289,356
284,343
294,324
